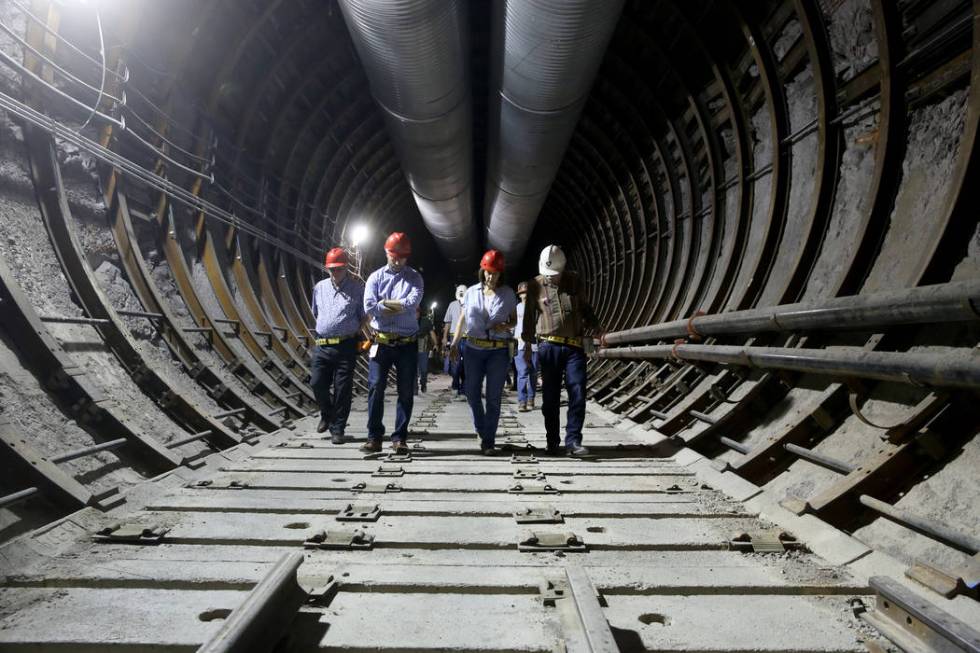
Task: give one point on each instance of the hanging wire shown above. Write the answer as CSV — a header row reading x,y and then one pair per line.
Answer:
x,y
98,101
135,172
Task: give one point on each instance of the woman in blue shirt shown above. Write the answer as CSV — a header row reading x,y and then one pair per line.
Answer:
x,y
488,319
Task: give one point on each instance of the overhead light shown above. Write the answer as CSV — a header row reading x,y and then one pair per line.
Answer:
x,y
433,307
359,233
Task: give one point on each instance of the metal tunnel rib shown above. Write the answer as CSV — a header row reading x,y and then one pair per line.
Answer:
x,y
415,54
545,55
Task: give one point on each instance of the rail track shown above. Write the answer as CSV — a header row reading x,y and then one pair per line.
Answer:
x,y
639,548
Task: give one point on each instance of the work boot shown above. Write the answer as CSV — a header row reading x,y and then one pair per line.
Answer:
x,y
531,407
522,407
488,451
336,438
399,447
556,450
371,446
322,426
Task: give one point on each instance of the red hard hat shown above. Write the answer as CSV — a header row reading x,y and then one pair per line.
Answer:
x,y
492,261
398,244
336,258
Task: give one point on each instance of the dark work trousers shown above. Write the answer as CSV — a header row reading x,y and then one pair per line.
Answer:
x,y
332,376
489,364
405,359
423,371
459,376
557,361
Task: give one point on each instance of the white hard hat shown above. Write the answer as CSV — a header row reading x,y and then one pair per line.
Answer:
x,y
552,261
460,291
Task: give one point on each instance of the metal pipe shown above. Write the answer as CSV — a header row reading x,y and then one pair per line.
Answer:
x,y
703,417
545,55
149,316
17,497
229,413
819,459
416,56
188,439
960,541
954,369
277,411
734,446
64,319
948,302
88,451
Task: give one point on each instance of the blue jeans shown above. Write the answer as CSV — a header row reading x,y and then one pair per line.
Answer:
x,y
527,376
332,377
491,364
557,361
405,359
423,369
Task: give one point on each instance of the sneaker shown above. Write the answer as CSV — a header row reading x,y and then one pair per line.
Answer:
x,y
399,446
336,438
371,446
322,426
577,450
522,407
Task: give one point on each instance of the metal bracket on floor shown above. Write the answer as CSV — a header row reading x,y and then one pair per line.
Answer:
x,y
529,472
540,541
518,459
131,533
376,488
552,591
290,445
389,470
360,512
532,488
399,458
674,489
343,540
770,541
913,623
541,515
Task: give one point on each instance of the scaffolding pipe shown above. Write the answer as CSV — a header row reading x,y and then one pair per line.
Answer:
x,y
948,302
952,369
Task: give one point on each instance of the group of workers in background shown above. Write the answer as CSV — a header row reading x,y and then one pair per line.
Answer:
x,y
549,315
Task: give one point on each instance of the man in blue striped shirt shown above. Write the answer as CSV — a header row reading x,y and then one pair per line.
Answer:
x,y
338,306
391,296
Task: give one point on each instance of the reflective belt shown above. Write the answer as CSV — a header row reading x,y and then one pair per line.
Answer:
x,y
561,340
393,338
333,341
487,344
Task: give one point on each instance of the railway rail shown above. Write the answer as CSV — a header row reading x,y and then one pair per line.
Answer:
x,y
320,547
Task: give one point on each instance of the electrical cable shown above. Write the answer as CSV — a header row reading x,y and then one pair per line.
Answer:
x,y
98,101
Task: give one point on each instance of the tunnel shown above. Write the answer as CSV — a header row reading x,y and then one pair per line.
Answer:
x,y
767,204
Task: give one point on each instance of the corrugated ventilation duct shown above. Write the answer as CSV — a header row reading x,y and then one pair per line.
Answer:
x,y
545,55
416,53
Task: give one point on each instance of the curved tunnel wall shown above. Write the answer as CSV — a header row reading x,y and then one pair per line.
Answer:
x,y
731,155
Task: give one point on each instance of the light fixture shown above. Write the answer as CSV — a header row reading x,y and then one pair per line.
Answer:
x,y
358,234
433,307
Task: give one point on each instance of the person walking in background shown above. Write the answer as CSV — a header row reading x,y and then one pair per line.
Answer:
x,y
391,297
488,320
428,342
338,306
527,371
453,313
557,313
